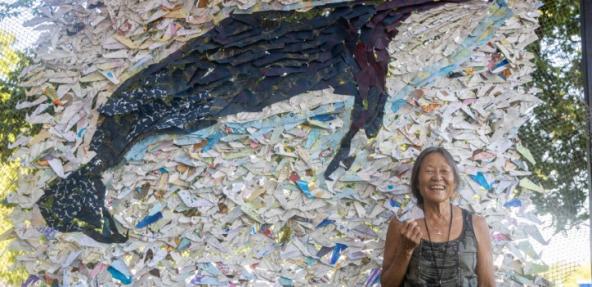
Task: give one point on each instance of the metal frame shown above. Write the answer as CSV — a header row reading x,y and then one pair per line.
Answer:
x,y
586,28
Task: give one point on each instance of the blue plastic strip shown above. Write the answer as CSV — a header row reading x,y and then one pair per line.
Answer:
x,y
337,252
149,220
480,179
126,280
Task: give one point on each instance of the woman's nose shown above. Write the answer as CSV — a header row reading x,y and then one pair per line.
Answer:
x,y
437,175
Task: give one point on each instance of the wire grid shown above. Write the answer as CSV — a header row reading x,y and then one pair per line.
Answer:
x,y
568,253
560,272
8,180
25,37
10,274
21,38
8,183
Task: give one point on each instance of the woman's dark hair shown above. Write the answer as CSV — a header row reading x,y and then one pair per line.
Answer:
x,y
417,165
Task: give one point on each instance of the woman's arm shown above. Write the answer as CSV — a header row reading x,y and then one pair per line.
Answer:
x,y
484,258
401,240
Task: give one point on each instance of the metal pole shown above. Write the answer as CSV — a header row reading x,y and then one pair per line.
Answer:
x,y
586,28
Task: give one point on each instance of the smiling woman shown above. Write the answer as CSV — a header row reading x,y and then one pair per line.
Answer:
x,y
449,246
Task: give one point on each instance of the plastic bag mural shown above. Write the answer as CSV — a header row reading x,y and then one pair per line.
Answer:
x,y
248,142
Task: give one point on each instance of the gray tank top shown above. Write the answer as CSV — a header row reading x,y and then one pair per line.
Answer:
x,y
457,264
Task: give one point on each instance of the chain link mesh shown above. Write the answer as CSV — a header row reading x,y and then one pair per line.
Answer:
x,y
563,264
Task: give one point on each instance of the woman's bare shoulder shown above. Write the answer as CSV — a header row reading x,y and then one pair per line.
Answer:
x,y
480,226
479,221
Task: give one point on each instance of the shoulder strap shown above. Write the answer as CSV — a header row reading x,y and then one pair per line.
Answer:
x,y
468,255
467,219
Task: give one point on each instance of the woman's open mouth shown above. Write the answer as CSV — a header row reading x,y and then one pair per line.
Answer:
x,y
437,188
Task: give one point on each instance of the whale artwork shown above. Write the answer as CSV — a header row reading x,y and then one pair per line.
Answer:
x,y
231,188
243,64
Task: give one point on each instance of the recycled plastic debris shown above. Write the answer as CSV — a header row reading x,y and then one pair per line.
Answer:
x,y
244,201
245,63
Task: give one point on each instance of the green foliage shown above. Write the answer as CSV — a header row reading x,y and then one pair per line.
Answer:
x,y
557,133
8,273
12,121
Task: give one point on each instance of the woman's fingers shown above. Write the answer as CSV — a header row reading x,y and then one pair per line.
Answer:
x,y
417,235
409,228
411,233
404,227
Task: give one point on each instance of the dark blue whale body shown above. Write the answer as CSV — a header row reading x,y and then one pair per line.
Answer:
x,y
245,63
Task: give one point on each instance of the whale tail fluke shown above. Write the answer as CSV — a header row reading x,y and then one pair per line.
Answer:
x,y
76,203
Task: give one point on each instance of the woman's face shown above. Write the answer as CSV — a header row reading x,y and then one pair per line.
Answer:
x,y
436,179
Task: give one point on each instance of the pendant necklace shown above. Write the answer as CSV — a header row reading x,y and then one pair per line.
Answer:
x,y
445,249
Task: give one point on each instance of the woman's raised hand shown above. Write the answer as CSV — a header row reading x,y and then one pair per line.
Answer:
x,y
410,236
